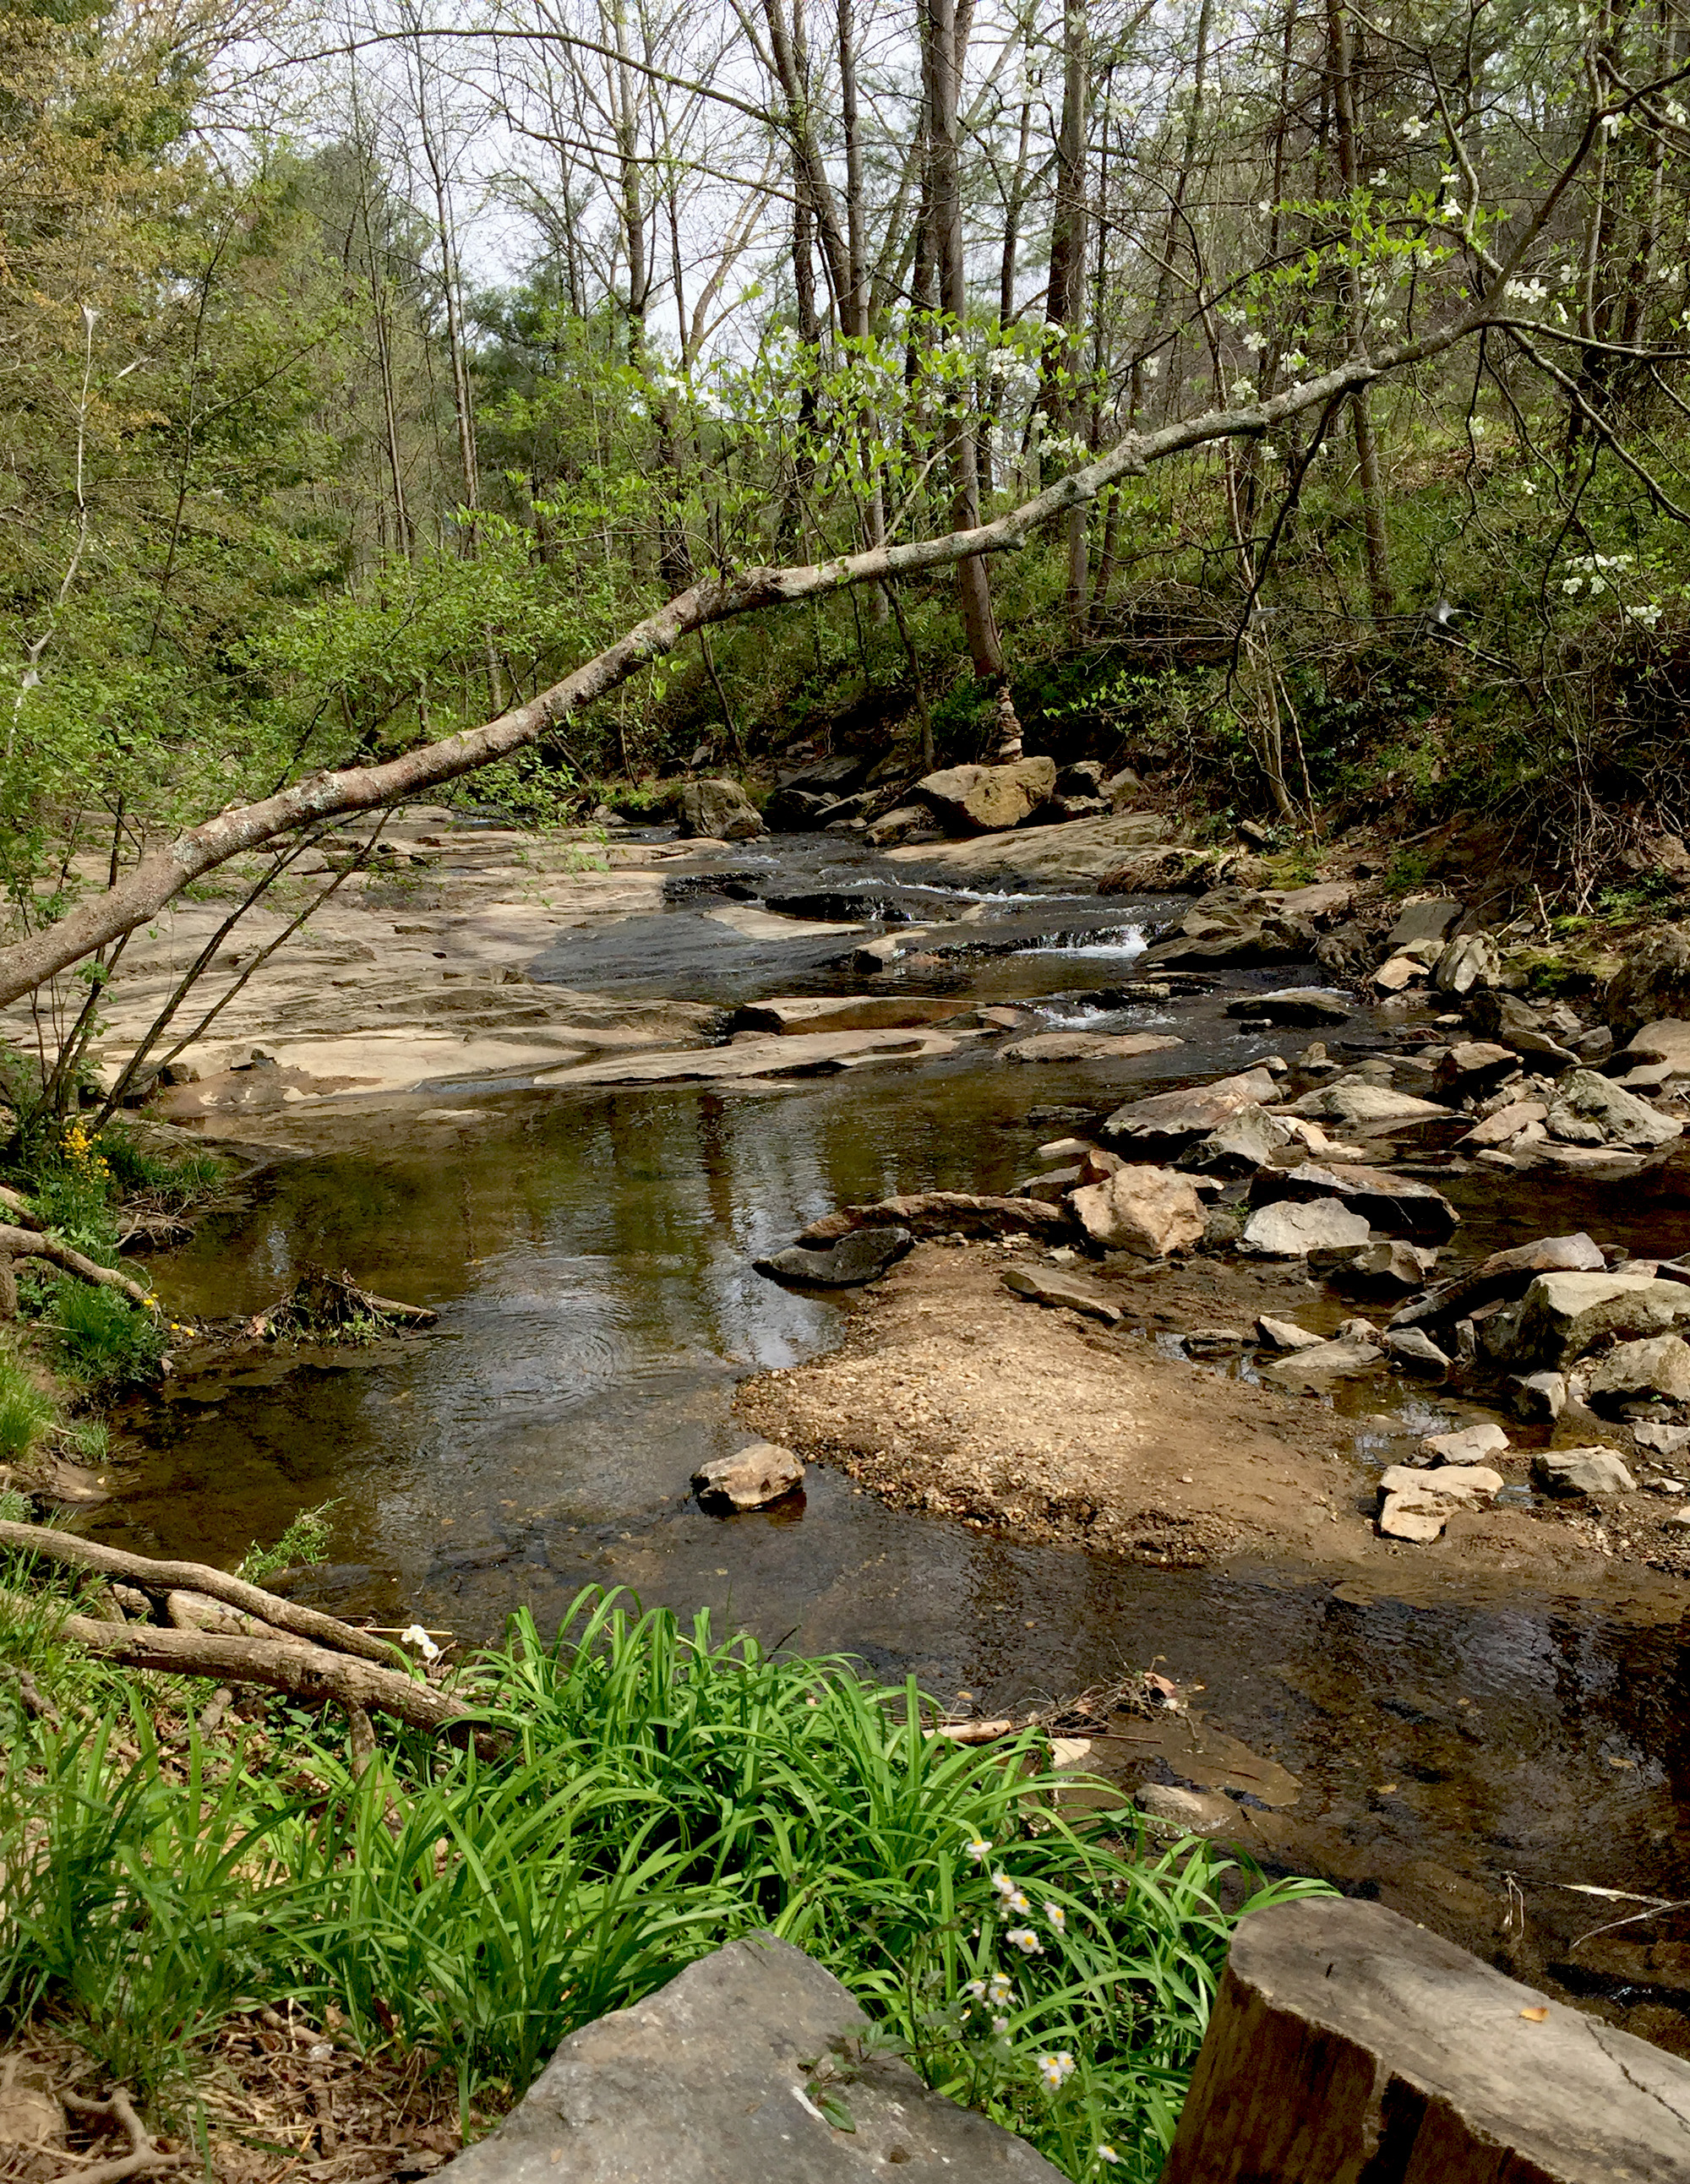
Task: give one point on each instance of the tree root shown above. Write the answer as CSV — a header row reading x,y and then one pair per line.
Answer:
x,y
144,2155
71,1552
26,1244
310,1673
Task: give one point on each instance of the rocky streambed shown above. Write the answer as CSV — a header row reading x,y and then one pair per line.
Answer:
x,y
1260,1217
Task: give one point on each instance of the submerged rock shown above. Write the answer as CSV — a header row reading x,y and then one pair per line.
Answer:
x,y
750,1479
862,1257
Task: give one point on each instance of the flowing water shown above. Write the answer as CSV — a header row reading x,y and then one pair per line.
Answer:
x,y
589,1255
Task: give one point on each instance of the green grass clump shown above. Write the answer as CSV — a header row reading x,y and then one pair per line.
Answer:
x,y
25,1414
100,1339
661,1792
169,1183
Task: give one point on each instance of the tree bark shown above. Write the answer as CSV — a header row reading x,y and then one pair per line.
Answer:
x,y
27,1244
1375,540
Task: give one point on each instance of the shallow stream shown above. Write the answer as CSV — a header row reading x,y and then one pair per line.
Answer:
x,y
590,1254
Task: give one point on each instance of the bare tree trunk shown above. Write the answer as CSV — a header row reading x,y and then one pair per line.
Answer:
x,y
940,70
1065,300
1376,542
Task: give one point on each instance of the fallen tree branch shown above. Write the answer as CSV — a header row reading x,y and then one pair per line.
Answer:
x,y
69,1552
14,1203
27,1244
310,1672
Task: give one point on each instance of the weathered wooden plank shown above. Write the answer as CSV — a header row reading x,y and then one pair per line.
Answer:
x,y
1349,2046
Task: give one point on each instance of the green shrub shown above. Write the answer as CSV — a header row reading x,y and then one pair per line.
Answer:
x,y
661,1793
305,1539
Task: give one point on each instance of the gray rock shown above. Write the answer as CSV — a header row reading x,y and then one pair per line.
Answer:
x,y
718,810
864,1256
1417,1351
1044,1285
1652,983
1287,1334
1399,971
1573,1473
1294,1004
1634,1371
1504,1274
1667,1039
1469,962
1662,1440
1198,1811
1434,919
1466,1445
1397,1204
1288,1229
1324,1361
704,2083
1243,1143
1588,1110
982,800
1561,1316
1538,1398
1506,1020
1474,1068
1505,1124
1086,1046
908,822
1148,1211
1387,1267
750,1479
1354,1099
1237,941
1168,1121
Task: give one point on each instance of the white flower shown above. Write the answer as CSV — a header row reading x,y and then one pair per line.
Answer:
x,y
1414,127
1611,123
1527,488
1025,1939
999,1988
1057,1916
1255,342
1266,205
1475,425
1378,178
1242,390
1570,584
418,1639
1151,368
1451,211
1386,326
1649,616
1000,2024
1003,1884
1294,360
977,1988
1056,2070
978,1849
1020,1904
1107,2153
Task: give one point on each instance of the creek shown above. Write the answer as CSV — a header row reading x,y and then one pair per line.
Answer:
x,y
1455,1738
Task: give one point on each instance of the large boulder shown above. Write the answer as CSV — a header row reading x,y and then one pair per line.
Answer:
x,y
1588,1110
1563,1315
1636,1370
1290,1230
1236,940
1653,981
1666,1040
1434,919
1167,1121
984,800
1167,870
718,812
1507,1021
1357,1099
1243,1143
1469,961
1576,1473
1397,1204
1150,1211
1505,1274
1304,1006
1475,1067
703,2082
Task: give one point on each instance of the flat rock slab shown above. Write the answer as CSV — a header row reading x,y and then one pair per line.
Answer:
x,y
1354,1099
1294,1004
952,1213
1348,2042
1045,1286
776,1055
1081,850
1290,1230
704,2083
1087,1046
1324,1360
750,1479
809,1013
1167,1121
863,1256
1394,1203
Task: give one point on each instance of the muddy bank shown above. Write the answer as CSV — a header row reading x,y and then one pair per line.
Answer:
x,y
951,1393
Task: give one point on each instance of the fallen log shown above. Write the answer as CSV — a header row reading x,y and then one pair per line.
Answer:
x,y
310,1673
28,1244
69,1552
1347,2043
